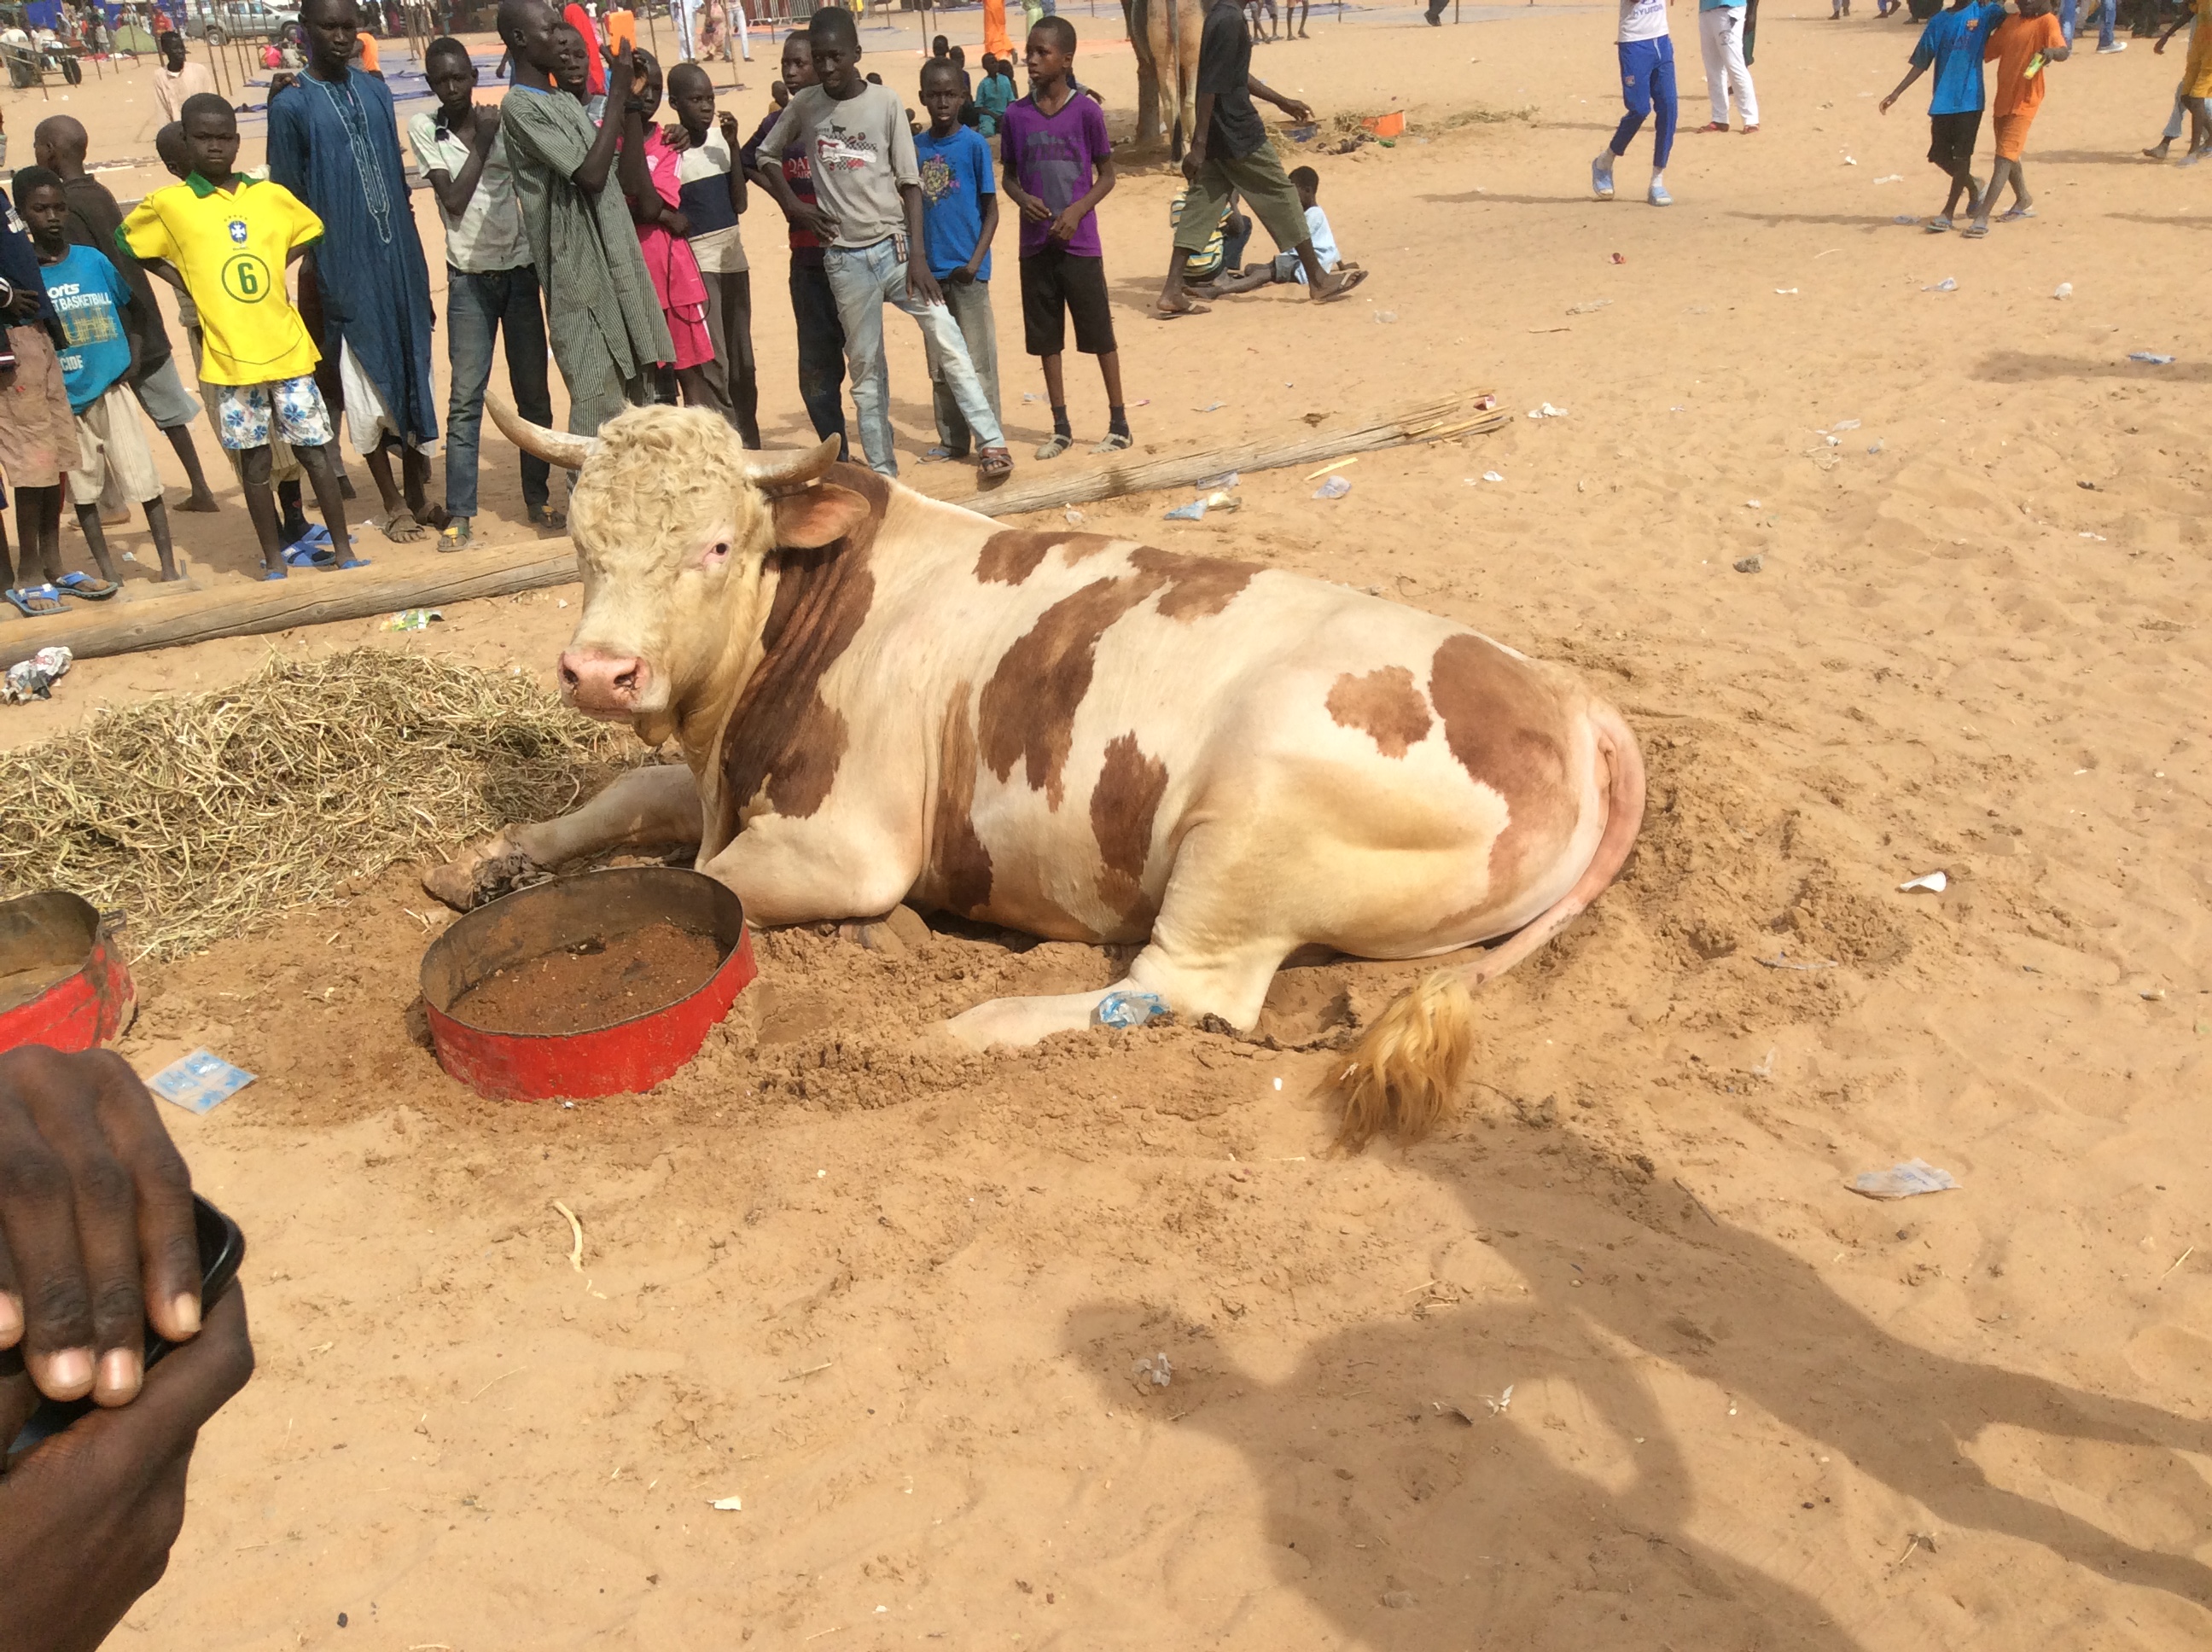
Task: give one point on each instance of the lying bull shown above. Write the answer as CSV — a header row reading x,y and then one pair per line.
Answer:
x,y
881,698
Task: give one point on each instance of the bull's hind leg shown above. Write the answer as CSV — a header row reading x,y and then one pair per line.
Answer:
x,y
1213,952
657,807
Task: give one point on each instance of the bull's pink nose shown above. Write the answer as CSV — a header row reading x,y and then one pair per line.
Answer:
x,y
602,681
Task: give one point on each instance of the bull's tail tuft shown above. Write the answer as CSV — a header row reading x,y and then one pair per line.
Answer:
x,y
1405,1068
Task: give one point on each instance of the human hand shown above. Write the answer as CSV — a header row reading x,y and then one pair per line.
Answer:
x,y
1296,111
284,80
23,305
96,1214
964,275
675,222
484,130
1065,226
726,124
1883,107
817,222
87,1516
1193,159
1034,210
921,284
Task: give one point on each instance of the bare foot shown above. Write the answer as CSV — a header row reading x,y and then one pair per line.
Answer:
x,y
1166,311
200,503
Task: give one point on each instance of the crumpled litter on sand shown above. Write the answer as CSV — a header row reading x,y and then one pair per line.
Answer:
x,y
1915,1176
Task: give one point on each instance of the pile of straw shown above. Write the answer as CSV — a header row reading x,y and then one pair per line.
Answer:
x,y
200,816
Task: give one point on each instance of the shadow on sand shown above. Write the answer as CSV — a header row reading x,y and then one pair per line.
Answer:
x,y
1406,1524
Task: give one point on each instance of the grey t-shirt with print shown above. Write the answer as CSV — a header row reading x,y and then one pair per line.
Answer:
x,y
859,150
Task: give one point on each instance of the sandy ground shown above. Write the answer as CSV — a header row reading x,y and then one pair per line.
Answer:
x,y
1616,1361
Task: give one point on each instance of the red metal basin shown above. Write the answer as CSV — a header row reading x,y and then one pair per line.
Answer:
x,y
62,979
622,1056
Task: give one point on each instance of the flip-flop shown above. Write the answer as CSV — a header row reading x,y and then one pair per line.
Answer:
x,y
1713,126
940,454
1115,442
1974,232
2015,215
83,585
317,532
302,553
47,601
1160,314
1352,278
1054,445
350,562
398,527
269,574
1937,226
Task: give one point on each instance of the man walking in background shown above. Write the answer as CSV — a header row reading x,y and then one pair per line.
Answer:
x,y
1720,37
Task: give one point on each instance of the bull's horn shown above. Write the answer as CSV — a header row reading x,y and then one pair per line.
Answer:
x,y
554,447
780,468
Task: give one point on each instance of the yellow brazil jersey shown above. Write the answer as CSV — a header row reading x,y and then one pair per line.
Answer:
x,y
231,248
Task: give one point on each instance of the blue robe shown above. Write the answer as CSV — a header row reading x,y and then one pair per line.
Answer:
x,y
337,146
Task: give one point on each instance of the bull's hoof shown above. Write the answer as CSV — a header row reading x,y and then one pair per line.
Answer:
x,y
483,874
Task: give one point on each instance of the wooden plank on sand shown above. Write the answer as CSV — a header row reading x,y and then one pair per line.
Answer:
x,y
315,598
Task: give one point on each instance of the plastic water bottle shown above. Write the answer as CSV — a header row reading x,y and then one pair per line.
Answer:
x,y
1127,1009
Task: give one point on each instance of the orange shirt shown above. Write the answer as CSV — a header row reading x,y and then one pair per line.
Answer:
x,y
368,52
2016,41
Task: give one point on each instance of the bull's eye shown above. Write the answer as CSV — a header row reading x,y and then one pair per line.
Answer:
x,y
718,552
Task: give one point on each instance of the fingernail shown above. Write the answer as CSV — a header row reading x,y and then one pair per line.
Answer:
x,y
69,1373
121,1373
184,1308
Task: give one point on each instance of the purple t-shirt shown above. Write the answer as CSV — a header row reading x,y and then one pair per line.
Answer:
x,y
1055,158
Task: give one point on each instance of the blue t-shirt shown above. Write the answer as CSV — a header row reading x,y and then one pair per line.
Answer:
x,y
1953,42
956,176
89,296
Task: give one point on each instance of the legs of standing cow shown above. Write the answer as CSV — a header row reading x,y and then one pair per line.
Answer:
x,y
648,808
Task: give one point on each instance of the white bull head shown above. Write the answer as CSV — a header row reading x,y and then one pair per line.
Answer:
x,y
674,523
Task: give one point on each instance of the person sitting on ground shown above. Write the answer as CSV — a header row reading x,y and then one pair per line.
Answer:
x,y
994,95
113,467
226,240
1287,267
2024,47
98,1210
1223,252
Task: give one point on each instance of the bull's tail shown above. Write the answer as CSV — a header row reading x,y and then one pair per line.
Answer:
x,y
1405,1068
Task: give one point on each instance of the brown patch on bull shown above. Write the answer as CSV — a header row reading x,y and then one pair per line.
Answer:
x,y
1506,725
1081,547
784,741
1012,554
1124,805
959,863
1027,713
1196,586
1385,706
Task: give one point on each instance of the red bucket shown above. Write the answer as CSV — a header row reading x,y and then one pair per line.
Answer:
x,y
62,980
622,1056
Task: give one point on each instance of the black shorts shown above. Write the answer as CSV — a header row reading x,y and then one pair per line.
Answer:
x,y
1056,283
1951,140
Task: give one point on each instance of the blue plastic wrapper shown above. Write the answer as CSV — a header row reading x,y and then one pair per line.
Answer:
x,y
1129,1009
199,1082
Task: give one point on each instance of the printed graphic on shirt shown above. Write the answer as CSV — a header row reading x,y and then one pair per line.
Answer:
x,y
841,151
245,277
86,318
1057,172
937,180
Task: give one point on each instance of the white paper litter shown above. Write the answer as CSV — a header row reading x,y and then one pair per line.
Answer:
x,y
1915,1176
1492,476
1948,284
1934,881
2064,289
1547,411
728,1505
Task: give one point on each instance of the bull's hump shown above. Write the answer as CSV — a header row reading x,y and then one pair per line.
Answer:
x,y
1027,708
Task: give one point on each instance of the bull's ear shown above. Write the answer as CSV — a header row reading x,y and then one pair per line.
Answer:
x,y
818,516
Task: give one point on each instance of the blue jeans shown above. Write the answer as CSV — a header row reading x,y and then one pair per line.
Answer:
x,y
477,308
1647,84
865,279
821,351
2068,19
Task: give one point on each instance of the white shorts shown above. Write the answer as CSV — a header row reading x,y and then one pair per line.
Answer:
x,y
114,467
366,420
247,414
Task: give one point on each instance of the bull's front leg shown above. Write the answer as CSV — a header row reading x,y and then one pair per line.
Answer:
x,y
656,807
830,867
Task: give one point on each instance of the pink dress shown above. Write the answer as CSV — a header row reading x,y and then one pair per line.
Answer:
x,y
669,260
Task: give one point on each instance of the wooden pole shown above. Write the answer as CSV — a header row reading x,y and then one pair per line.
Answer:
x,y
312,598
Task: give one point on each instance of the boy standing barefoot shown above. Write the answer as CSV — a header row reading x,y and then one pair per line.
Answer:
x,y
1060,166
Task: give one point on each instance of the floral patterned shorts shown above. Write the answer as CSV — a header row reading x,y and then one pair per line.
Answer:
x,y
243,413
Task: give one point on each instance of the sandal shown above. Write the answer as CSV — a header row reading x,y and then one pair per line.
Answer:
x,y
352,561
1975,231
940,454
1116,441
398,527
2015,215
1714,126
1352,279
308,553
545,516
1937,226
1162,315
459,534
34,601
1057,443
269,574
84,585
994,465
